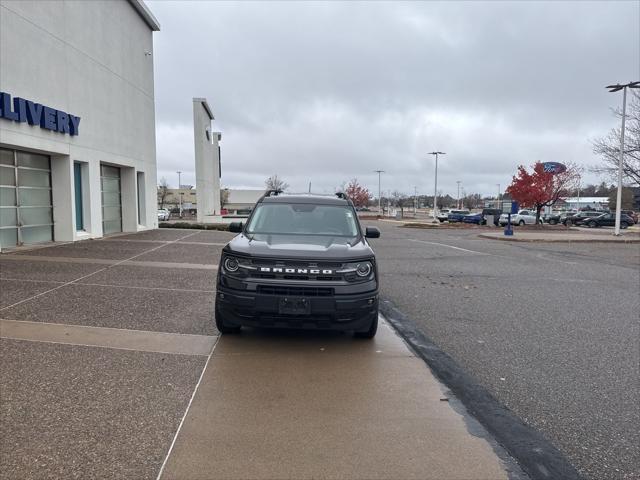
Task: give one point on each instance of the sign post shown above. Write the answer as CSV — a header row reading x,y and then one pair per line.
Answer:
x,y
510,207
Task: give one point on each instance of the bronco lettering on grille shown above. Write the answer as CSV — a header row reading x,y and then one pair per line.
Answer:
x,y
312,271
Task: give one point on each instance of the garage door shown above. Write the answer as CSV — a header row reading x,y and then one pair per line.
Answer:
x,y
111,204
26,215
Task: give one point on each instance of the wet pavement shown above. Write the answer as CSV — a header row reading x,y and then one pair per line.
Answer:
x,y
310,406
104,347
549,329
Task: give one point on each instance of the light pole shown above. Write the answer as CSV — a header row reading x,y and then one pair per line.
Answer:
x,y
616,88
498,197
579,179
379,192
415,201
179,195
435,188
458,199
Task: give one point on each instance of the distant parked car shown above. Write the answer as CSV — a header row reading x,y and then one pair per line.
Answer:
x,y
457,215
163,215
631,213
496,212
553,218
609,220
476,218
443,214
580,218
523,217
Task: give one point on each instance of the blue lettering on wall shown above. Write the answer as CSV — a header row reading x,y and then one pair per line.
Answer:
x,y
21,110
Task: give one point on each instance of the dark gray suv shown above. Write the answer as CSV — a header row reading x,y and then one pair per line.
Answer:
x,y
301,261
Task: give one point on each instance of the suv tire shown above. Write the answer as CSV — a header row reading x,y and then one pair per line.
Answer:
x,y
222,327
373,328
592,224
624,225
521,223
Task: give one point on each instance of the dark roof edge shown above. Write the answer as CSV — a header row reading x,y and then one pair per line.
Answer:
x,y
205,105
146,14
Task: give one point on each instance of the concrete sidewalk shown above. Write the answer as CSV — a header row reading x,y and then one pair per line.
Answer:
x,y
294,405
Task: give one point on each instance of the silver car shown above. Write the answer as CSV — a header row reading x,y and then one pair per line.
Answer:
x,y
163,215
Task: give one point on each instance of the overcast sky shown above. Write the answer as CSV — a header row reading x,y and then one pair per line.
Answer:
x,y
324,92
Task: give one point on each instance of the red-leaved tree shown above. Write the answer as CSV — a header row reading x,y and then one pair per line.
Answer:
x,y
540,189
359,195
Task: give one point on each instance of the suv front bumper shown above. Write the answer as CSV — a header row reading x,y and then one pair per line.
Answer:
x,y
338,312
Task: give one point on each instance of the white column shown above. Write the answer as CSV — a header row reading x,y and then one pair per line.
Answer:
x,y
62,193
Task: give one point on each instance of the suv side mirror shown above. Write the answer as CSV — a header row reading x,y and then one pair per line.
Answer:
x,y
372,232
235,227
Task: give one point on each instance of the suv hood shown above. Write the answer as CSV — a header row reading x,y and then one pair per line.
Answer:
x,y
320,247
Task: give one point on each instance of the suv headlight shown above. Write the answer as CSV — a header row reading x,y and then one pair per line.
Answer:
x,y
231,264
363,269
357,271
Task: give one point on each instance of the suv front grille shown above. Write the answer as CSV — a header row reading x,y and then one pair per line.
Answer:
x,y
295,291
299,270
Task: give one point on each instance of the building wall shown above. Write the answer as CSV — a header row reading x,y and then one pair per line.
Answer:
x,y
206,146
173,197
94,60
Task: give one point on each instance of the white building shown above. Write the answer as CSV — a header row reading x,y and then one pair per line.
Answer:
x,y
77,120
595,203
241,201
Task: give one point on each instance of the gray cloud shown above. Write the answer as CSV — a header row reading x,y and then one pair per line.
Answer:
x,y
324,92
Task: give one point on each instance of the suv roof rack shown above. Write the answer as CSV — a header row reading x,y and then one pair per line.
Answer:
x,y
272,193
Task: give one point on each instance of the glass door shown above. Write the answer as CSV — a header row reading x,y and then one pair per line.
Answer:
x,y
111,201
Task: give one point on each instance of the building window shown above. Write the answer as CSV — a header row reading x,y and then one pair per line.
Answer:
x,y
142,217
77,186
26,214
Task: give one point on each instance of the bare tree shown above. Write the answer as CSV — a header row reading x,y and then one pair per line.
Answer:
x,y
275,183
399,200
608,147
163,192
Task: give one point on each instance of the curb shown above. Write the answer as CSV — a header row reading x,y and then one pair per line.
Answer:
x,y
560,240
537,457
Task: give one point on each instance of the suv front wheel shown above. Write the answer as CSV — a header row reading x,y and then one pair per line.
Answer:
x,y
222,327
371,332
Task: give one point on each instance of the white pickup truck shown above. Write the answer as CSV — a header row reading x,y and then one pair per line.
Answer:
x,y
523,217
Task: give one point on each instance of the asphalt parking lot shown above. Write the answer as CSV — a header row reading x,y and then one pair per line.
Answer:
x,y
550,329
112,368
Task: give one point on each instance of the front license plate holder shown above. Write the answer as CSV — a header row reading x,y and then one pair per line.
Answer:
x,y
294,306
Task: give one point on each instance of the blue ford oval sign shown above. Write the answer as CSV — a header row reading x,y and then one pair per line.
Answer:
x,y
554,167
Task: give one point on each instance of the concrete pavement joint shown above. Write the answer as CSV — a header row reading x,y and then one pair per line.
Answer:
x,y
218,244
90,274
535,454
102,261
106,337
167,289
184,416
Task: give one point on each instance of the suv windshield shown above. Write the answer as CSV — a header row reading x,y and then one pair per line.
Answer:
x,y
303,219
